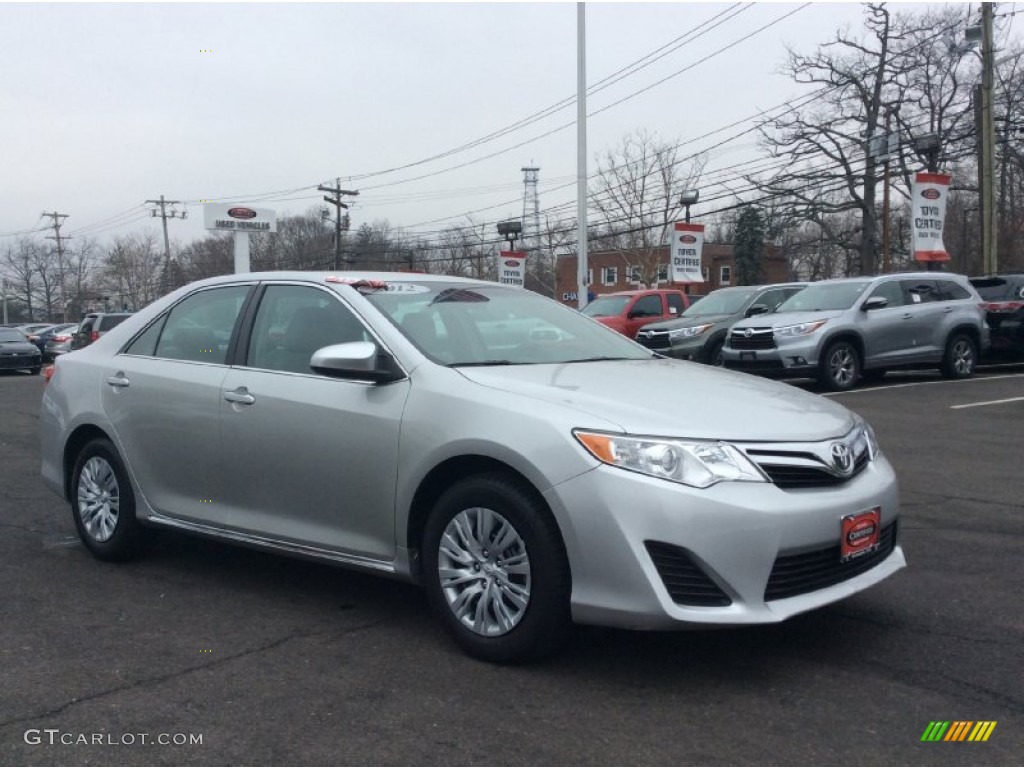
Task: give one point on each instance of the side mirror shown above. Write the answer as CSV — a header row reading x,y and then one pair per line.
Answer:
x,y
875,302
356,360
757,309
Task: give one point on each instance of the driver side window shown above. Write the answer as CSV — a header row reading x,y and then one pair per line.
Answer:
x,y
890,290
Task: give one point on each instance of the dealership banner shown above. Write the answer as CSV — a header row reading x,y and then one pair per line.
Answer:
x,y
684,252
928,215
232,217
512,268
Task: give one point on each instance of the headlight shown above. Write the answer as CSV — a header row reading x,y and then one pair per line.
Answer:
x,y
870,439
688,333
699,463
800,330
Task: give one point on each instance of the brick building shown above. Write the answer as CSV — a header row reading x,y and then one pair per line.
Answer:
x,y
611,271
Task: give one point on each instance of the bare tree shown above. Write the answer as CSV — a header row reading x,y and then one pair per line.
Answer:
x,y
20,270
132,269
636,195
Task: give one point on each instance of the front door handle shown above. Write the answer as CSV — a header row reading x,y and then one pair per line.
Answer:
x,y
118,380
240,396
908,316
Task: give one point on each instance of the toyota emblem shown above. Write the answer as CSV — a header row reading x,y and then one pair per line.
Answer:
x,y
842,458
748,332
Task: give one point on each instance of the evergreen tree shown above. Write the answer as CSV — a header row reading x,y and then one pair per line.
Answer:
x,y
749,246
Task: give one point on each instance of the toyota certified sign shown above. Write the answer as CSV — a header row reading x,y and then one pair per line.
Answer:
x,y
512,268
231,217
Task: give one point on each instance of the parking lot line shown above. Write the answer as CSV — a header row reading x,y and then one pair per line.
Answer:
x,y
923,383
987,402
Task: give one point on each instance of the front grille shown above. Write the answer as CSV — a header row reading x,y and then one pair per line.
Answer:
x,y
685,581
794,575
761,338
802,476
653,339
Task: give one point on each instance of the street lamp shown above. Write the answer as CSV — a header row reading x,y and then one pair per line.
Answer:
x,y
687,198
928,144
510,230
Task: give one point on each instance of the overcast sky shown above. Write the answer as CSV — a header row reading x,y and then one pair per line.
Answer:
x,y
103,106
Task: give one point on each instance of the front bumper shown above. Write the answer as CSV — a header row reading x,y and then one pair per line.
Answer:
x,y
19,362
791,357
733,532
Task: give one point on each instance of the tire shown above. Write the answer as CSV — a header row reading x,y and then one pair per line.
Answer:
x,y
103,503
960,358
496,613
713,355
839,368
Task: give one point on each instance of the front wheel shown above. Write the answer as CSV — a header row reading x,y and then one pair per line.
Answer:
x,y
960,358
496,571
839,367
103,504
713,356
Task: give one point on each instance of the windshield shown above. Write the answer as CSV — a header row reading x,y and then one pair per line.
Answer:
x,y
720,303
606,306
822,296
10,334
460,324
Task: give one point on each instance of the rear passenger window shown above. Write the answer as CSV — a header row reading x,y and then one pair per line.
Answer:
x,y
675,304
199,328
920,291
145,344
950,290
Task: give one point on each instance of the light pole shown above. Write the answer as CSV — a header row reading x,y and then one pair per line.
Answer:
x,y
510,230
687,198
928,144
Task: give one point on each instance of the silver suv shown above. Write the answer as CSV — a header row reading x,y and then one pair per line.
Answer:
x,y
699,333
840,330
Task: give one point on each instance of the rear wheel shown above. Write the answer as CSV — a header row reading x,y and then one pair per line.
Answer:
x,y
960,358
839,367
103,504
496,571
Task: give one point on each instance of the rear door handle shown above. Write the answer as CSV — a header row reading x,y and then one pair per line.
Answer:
x,y
240,395
908,316
947,310
118,380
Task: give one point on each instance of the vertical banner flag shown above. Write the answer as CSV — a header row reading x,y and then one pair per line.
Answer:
x,y
684,252
512,268
928,214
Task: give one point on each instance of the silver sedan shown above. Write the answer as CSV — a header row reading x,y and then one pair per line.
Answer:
x,y
526,465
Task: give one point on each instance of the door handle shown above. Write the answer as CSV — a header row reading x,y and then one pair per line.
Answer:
x,y
908,316
947,310
240,396
118,380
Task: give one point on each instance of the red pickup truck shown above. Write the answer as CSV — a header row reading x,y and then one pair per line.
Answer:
x,y
626,311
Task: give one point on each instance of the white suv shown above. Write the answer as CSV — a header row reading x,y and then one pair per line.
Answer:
x,y
840,330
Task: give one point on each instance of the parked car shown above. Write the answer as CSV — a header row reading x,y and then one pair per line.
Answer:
x,y
59,343
840,330
94,325
17,352
41,337
626,311
32,330
699,333
1003,297
525,485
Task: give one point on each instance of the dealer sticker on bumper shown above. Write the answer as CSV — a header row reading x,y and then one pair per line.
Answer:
x,y
860,534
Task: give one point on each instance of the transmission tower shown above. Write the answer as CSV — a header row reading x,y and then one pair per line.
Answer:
x,y
531,212
60,259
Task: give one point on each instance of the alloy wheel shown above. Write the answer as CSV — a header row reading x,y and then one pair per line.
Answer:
x,y
842,366
484,571
99,498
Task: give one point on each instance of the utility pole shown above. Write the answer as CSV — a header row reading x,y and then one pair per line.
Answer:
x,y
167,244
581,155
886,233
338,205
987,145
60,258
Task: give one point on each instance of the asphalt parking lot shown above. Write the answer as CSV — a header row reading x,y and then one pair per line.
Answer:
x,y
275,661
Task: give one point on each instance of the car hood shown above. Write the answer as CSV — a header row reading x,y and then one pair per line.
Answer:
x,y
782,319
19,347
674,398
685,322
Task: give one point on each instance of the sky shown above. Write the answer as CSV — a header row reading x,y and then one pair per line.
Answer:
x,y
104,106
